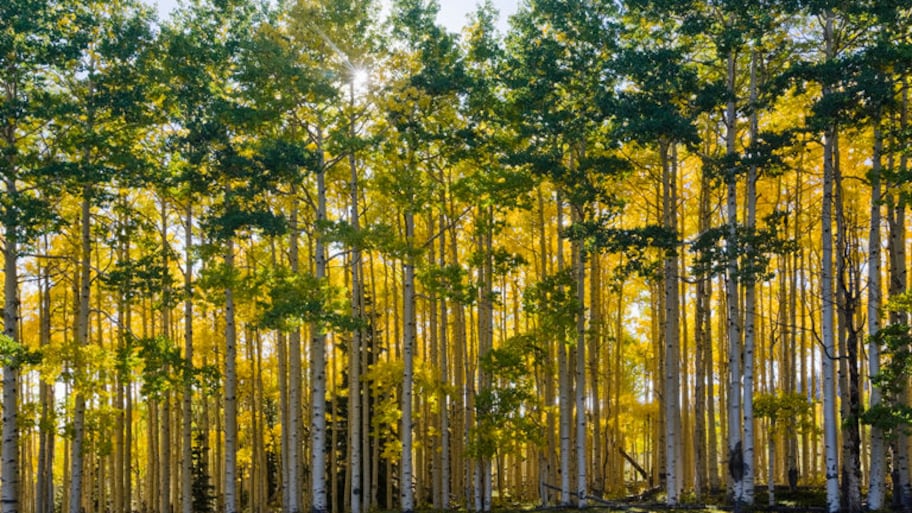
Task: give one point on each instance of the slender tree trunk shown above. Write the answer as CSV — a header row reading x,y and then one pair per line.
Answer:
x,y
486,334
580,376
827,327
445,460
9,477
295,406
594,357
231,429
44,494
121,464
563,381
771,455
750,299
187,427
902,488
671,332
318,447
877,480
702,339
406,494
354,355
165,446
850,400
735,449
82,340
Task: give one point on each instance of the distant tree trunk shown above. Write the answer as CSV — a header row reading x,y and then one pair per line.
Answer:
x,y
702,339
354,354
165,446
580,374
876,484
231,440
445,460
44,494
847,296
187,426
563,381
898,283
295,409
486,334
770,468
595,358
711,440
82,340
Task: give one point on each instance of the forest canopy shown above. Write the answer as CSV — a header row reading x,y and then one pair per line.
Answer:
x,y
327,255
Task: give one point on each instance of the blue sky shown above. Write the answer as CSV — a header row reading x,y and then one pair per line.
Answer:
x,y
452,12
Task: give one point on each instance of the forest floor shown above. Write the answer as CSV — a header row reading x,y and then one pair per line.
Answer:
x,y
801,500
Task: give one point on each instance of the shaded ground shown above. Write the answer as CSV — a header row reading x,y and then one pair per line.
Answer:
x,y
802,500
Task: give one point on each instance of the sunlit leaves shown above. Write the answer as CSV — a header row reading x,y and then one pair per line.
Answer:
x,y
295,300
507,408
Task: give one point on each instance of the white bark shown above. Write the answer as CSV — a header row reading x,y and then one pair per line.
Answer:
x,y
319,502
82,340
295,409
486,336
877,479
580,379
406,494
165,447
354,355
9,453
444,378
750,307
672,360
187,427
9,487
563,385
735,455
231,440
827,327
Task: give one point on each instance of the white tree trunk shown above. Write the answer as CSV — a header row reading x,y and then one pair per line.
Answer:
x,y
9,489
486,336
750,307
827,328
444,378
231,440
580,377
877,479
82,340
187,427
672,360
165,454
354,354
295,408
406,494
563,383
735,454
319,502
9,453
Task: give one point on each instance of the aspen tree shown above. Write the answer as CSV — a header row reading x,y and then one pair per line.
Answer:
x,y
826,288
36,47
